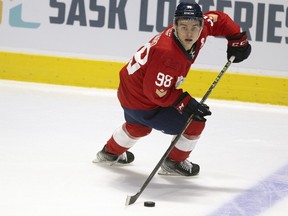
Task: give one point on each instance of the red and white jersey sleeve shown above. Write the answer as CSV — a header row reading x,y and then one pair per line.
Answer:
x,y
152,77
224,26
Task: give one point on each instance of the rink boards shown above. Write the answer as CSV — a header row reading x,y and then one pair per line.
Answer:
x,y
104,74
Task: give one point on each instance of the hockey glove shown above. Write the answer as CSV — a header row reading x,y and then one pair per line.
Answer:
x,y
239,47
187,105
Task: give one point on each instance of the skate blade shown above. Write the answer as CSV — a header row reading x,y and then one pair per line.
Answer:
x,y
100,161
96,160
105,162
167,173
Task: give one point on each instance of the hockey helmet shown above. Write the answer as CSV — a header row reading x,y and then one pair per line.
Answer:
x,y
188,11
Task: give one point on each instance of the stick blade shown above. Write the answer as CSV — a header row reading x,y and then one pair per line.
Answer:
x,y
131,199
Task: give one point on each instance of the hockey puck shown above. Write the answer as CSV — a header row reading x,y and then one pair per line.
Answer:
x,y
149,204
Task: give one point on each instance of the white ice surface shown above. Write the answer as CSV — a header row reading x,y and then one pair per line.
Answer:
x,y
50,134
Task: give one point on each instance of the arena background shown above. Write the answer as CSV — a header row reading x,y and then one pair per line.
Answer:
x,y
85,43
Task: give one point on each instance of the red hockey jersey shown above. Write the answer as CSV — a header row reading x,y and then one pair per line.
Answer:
x,y
151,78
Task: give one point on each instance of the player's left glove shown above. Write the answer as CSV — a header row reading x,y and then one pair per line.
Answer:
x,y
239,47
187,106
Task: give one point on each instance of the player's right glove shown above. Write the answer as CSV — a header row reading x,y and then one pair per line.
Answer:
x,y
239,47
188,106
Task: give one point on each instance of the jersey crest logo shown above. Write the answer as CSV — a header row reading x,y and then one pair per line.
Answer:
x,y
161,92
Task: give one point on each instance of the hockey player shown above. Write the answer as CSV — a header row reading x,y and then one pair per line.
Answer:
x,y
149,87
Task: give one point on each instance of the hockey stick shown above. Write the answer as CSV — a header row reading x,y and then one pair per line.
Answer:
x,y
132,199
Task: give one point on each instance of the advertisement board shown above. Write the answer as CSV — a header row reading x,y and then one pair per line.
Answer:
x,y
114,29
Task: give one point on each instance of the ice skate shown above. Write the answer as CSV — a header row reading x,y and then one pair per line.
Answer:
x,y
182,168
105,157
